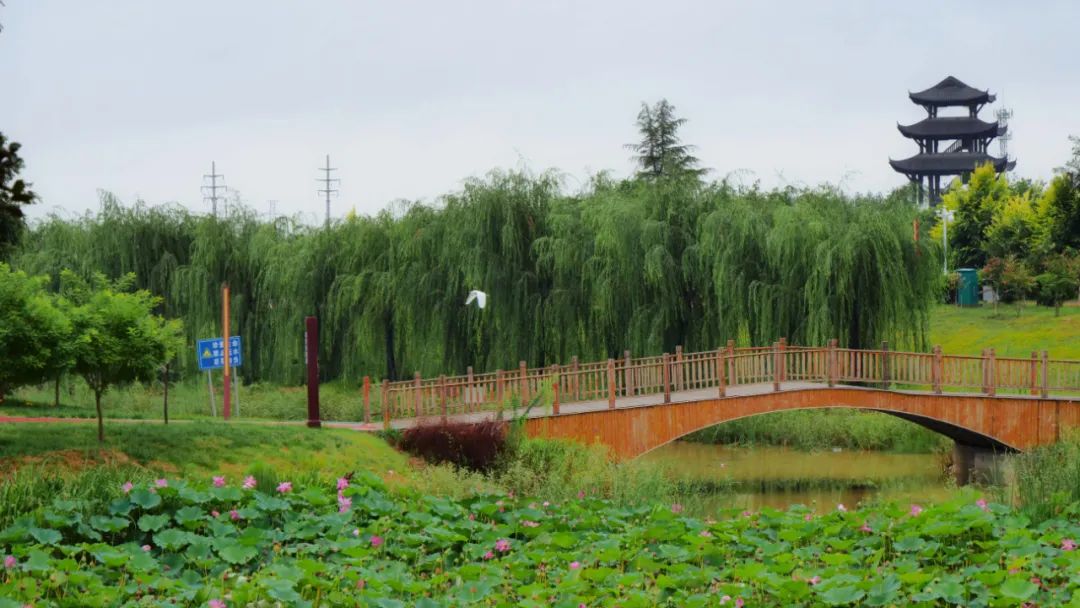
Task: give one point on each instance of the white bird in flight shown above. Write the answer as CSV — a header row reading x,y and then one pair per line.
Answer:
x,y
477,296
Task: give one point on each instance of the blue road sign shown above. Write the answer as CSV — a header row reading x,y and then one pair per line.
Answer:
x,y
211,353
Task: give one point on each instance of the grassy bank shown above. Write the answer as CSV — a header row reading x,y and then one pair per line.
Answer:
x,y
967,331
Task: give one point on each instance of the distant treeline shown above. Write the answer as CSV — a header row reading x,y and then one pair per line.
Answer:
x,y
640,264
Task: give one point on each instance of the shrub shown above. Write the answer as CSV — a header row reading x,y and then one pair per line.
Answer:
x,y
475,446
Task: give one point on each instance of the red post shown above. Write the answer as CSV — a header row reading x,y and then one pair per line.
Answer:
x,y
665,372
776,366
555,398
576,377
721,364
312,343
628,375
385,404
833,368
885,375
783,359
678,368
500,386
442,396
227,385
418,396
611,383
469,391
937,372
367,399
524,373
732,379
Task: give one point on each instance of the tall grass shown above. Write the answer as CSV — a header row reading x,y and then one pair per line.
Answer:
x,y
632,265
31,488
1047,479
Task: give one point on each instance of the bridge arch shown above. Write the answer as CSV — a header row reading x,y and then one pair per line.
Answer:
x,y
1000,423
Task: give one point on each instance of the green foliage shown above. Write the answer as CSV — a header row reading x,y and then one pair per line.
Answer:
x,y
299,548
1059,281
1059,213
14,194
975,204
34,334
661,153
1048,479
118,339
643,265
1011,279
1013,231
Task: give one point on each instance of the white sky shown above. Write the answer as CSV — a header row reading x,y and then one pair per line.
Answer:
x,y
409,98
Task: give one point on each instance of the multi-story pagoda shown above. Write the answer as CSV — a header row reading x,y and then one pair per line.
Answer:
x,y
949,145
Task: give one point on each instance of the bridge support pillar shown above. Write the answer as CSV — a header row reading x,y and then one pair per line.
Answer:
x,y
977,464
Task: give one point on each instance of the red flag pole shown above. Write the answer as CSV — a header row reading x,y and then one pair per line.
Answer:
x,y
225,322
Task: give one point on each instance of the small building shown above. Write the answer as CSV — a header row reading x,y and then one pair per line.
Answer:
x,y
949,145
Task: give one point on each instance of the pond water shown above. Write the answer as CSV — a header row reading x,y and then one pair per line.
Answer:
x,y
755,477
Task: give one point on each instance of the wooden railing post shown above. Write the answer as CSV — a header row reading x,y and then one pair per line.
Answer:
x,y
500,387
576,378
523,372
991,373
1045,374
937,370
732,369
611,383
442,396
885,365
982,362
367,399
1034,373
831,363
721,366
628,375
471,402
776,366
385,405
665,374
678,368
783,359
555,397
417,395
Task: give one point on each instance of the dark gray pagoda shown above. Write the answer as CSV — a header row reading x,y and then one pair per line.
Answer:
x,y
949,145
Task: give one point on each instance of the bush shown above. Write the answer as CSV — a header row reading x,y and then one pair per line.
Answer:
x,y
1048,479
475,446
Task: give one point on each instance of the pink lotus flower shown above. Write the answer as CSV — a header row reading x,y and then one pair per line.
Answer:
x,y
530,524
344,504
705,534
249,483
219,481
234,515
1068,544
161,483
813,580
547,504
127,487
581,494
284,487
376,541
575,565
738,602
582,605
489,555
866,528
342,483
356,532
510,494
746,513
10,562
915,510
725,599
472,516
807,517
840,507
217,604
676,508
981,503
502,545
360,584
146,547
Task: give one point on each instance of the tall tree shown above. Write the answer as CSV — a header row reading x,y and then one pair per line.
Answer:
x,y
14,193
661,153
976,204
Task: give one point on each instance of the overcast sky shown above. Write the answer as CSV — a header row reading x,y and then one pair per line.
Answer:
x,y
137,97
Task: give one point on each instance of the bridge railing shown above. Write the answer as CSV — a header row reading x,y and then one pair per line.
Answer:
x,y
718,370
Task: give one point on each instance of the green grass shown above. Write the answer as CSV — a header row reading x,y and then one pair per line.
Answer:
x,y
967,331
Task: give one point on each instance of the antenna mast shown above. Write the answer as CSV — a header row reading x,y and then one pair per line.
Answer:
x,y
210,193
327,188
1003,116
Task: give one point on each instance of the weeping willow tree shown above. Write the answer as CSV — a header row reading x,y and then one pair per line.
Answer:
x,y
639,265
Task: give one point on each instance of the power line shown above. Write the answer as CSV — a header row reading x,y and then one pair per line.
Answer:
x,y
213,187
327,182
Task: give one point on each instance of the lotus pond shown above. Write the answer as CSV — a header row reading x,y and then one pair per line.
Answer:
x,y
224,542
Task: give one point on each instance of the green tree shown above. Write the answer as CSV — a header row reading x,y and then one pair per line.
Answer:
x,y
1059,213
1059,280
975,204
14,194
1014,229
661,153
34,333
118,338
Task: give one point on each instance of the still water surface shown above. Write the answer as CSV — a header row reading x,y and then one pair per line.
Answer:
x,y
779,477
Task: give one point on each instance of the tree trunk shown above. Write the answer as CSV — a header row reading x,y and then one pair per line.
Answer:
x,y
56,394
100,421
388,332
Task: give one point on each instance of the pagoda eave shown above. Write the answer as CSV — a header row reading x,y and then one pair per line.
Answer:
x,y
950,128
946,164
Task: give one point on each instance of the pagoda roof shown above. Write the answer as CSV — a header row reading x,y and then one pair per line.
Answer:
x,y
951,127
954,163
951,92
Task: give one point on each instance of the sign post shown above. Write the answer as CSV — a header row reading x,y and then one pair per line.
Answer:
x,y
211,356
311,351
227,390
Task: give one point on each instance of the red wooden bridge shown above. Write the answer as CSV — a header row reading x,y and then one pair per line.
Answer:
x,y
636,404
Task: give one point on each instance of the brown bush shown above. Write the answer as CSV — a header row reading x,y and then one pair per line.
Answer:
x,y
476,446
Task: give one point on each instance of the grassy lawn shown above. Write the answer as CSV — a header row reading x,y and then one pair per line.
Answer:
x,y
970,330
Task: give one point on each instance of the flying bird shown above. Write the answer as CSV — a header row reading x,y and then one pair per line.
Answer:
x,y
477,296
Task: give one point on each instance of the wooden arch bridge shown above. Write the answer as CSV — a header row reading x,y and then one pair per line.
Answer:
x,y
634,405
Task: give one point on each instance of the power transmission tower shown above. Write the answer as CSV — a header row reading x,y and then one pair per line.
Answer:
x,y
1003,116
327,182
210,193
